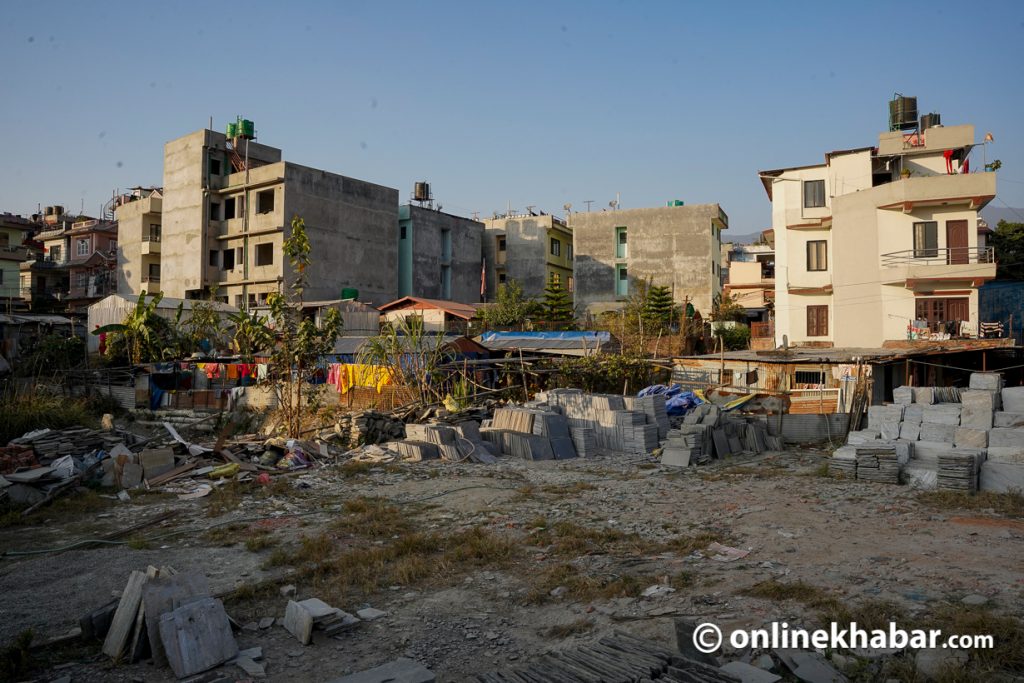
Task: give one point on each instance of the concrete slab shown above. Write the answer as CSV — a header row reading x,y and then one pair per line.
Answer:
x,y
299,622
942,413
1001,477
989,381
910,431
938,433
913,413
903,395
1013,399
1004,419
397,671
197,637
750,674
1005,454
156,461
977,408
889,430
1006,437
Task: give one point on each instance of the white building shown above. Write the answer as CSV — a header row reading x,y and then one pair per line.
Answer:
x,y
877,238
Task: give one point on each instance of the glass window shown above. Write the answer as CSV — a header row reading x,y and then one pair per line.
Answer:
x,y
814,194
817,255
621,247
926,239
556,247
83,247
817,321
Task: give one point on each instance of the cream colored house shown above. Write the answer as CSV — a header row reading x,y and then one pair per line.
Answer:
x,y
877,238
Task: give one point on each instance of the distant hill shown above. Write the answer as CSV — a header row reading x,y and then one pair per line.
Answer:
x,y
994,214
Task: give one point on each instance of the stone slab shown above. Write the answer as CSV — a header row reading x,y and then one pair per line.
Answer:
x,y
750,674
164,594
913,413
879,414
197,637
989,381
910,431
1006,437
1001,477
977,408
889,430
925,395
1004,419
920,476
970,437
903,395
299,622
1005,454
936,432
942,413
131,476
676,457
156,461
398,671
1013,399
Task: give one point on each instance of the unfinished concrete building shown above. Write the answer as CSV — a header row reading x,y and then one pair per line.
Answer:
x,y
534,250
676,246
227,207
439,255
138,256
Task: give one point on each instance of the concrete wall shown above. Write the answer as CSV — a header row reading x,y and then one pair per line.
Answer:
x,y
133,221
353,230
184,213
526,256
422,261
678,247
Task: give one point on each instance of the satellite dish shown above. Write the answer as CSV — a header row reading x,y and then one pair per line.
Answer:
x,y
613,203
567,206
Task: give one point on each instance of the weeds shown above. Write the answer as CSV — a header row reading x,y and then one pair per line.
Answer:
x,y
259,540
372,518
567,489
22,412
226,535
1009,504
79,504
571,629
582,587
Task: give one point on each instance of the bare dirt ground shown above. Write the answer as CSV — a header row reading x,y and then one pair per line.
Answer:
x,y
480,567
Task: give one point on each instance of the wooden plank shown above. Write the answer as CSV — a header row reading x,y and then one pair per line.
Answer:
x,y
197,637
172,474
124,618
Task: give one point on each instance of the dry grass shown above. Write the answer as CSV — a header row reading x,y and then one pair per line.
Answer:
x,y
684,545
259,539
763,471
82,502
358,468
1008,504
567,489
581,587
373,518
573,628
798,591
1007,633
224,536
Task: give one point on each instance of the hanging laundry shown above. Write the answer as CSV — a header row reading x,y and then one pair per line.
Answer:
x,y
231,371
948,156
261,372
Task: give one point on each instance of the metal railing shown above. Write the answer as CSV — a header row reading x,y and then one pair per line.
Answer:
x,y
939,257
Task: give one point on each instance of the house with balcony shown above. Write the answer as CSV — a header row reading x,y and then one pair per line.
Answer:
x,y
14,231
139,218
92,262
881,244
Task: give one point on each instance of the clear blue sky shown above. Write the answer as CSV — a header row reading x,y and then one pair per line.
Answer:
x,y
537,103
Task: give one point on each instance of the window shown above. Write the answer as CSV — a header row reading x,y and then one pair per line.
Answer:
x,y
228,259
621,248
216,211
401,232
817,321
214,258
809,377
82,248
265,254
214,166
937,312
55,253
82,279
621,281
556,280
556,247
238,300
501,278
572,283
263,298
5,240
568,251
814,194
252,300
926,239
112,246
154,272
265,201
817,255
501,244
154,232
229,208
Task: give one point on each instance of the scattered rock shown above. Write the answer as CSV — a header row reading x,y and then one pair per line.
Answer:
x,y
935,663
369,614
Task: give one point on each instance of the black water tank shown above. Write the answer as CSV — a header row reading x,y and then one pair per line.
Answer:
x,y
902,112
930,121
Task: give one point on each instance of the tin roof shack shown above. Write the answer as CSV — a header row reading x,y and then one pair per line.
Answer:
x,y
820,380
437,315
564,343
116,307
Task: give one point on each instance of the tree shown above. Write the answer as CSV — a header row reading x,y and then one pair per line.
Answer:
x,y
409,355
724,307
510,307
734,338
1008,241
143,336
300,343
251,334
557,304
659,308
202,329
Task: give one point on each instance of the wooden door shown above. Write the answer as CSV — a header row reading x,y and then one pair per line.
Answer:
x,y
956,242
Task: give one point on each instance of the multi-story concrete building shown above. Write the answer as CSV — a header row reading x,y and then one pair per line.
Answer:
x,y
92,262
533,249
675,246
14,230
748,276
227,208
439,255
877,238
138,260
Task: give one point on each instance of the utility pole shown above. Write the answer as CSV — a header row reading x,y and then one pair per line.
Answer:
x,y
588,202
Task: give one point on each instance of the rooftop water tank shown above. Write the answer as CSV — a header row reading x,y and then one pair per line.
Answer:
x,y
232,131
247,129
421,192
930,121
902,112
349,293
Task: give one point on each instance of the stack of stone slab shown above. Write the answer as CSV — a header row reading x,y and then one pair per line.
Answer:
x,y
531,433
707,432
843,463
878,464
983,424
583,440
683,449
655,409
614,427
461,441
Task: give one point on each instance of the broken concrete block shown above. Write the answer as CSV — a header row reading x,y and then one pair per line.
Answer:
x,y
197,637
903,395
970,437
131,476
936,432
910,431
156,461
1004,419
1013,399
863,436
920,476
398,671
370,613
299,622
1001,477
942,413
989,381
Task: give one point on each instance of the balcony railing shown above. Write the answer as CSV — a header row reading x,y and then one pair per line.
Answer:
x,y
762,330
946,256
151,278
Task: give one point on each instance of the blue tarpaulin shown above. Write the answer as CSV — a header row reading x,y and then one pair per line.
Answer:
x,y
677,401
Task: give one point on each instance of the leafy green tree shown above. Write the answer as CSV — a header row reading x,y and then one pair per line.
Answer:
x,y
724,307
510,307
250,335
410,355
1008,241
659,308
734,338
143,336
557,304
300,344
202,328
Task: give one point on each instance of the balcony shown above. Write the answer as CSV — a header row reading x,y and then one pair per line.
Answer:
x,y
973,190
969,264
150,277
151,245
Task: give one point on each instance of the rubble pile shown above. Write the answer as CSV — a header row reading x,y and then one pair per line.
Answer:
x,y
707,432
365,427
959,439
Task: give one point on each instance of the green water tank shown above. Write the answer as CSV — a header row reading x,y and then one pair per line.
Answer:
x,y
232,131
349,293
675,202
246,129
